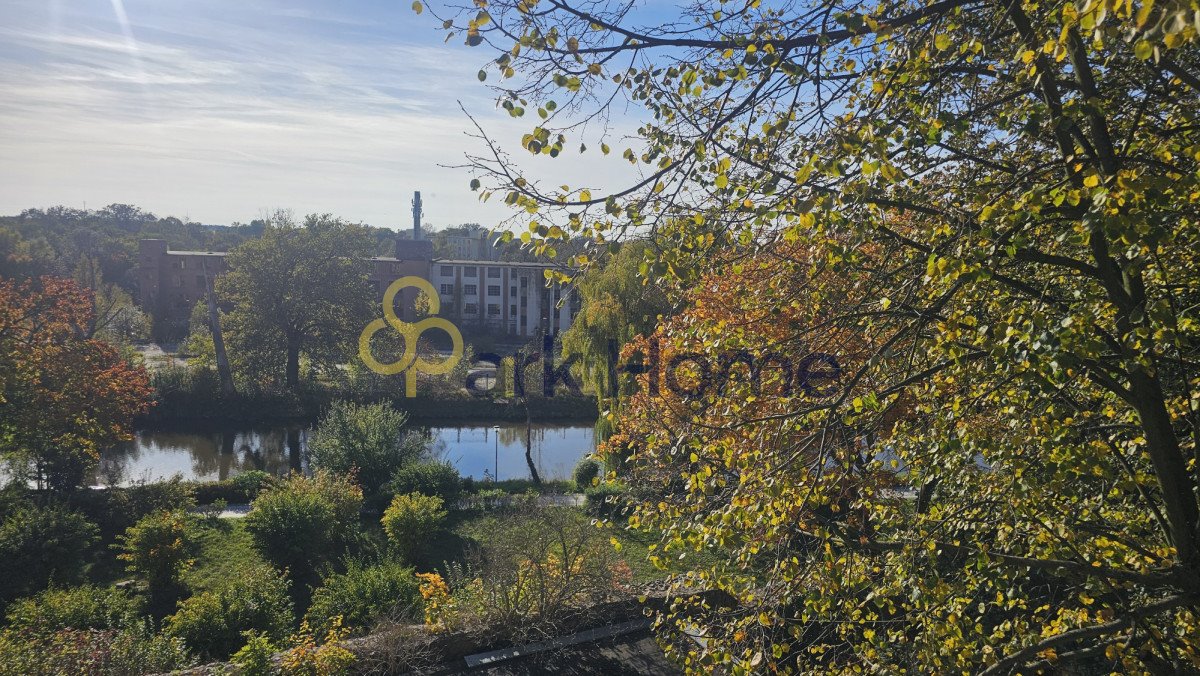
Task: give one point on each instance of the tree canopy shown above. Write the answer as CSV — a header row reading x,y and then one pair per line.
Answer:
x,y
63,396
298,290
987,212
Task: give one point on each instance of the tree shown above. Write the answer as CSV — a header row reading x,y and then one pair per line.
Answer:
x,y
63,396
368,440
1010,190
303,522
160,548
297,291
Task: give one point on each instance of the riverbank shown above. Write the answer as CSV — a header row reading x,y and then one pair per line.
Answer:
x,y
175,408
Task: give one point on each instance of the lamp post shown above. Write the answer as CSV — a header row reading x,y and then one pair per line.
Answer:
x,y
496,439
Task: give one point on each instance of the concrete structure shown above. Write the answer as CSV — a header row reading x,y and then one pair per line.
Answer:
x,y
475,243
498,298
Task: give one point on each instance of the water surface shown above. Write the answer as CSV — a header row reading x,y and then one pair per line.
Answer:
x,y
478,451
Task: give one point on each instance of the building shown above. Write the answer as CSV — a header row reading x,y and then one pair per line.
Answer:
x,y
503,299
475,243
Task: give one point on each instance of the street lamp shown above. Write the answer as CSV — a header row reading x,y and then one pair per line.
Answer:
x,y
496,438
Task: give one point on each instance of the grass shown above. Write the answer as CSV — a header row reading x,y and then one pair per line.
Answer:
x,y
225,551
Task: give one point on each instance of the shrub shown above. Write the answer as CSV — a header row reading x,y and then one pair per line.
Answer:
x,y
369,438
212,623
310,657
428,478
40,544
110,652
116,509
160,548
606,498
411,520
539,568
86,607
364,595
303,522
244,487
586,472
254,658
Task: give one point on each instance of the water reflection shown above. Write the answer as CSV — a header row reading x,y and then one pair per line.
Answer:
x,y
209,455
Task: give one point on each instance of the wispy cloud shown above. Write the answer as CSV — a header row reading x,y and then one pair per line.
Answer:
x,y
221,110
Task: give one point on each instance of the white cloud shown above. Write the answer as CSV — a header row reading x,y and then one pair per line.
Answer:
x,y
219,120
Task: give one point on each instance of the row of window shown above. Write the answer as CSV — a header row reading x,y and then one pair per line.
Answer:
x,y
472,289
473,271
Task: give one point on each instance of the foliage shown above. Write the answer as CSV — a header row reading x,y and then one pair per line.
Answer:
x,y
63,397
368,439
254,658
114,317
586,472
39,545
987,211
411,520
440,479
130,651
302,522
310,658
606,498
363,596
242,487
535,569
86,607
618,304
212,623
116,508
160,547
297,291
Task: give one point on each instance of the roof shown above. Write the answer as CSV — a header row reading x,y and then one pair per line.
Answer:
x,y
196,253
509,264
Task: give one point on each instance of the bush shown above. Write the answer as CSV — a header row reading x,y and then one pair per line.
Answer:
x,y
606,498
364,595
116,509
411,520
254,658
40,544
303,522
428,478
160,548
586,472
212,623
110,652
244,487
86,607
369,438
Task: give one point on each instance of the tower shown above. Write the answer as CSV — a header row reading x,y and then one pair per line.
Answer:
x,y
416,207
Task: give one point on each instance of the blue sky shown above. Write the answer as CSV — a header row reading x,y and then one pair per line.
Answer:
x,y
222,110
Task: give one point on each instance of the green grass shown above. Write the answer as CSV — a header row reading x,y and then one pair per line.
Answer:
x,y
225,551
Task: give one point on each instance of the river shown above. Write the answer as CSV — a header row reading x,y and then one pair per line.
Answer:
x,y
477,450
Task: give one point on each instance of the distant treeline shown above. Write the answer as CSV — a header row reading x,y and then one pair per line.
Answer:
x,y
53,241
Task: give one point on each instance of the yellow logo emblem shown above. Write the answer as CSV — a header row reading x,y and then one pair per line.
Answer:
x,y
409,360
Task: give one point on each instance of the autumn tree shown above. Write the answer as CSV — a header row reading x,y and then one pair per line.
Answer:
x,y
63,396
1010,190
297,291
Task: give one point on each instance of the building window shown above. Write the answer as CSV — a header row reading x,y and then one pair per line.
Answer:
x,y
493,310
494,290
524,282
470,272
512,309
512,292
447,270
470,289
524,321
524,301
493,273
470,309
447,289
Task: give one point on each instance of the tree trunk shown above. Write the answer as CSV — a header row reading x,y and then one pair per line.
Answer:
x,y
214,325
293,365
533,473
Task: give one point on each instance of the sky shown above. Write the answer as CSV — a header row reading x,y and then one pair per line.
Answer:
x,y
225,110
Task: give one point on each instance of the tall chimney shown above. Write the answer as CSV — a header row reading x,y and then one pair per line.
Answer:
x,y
416,204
